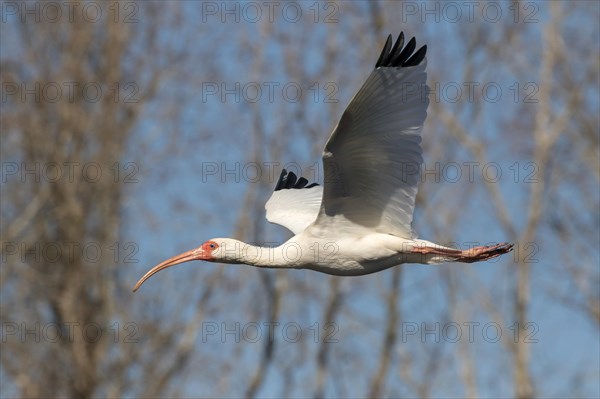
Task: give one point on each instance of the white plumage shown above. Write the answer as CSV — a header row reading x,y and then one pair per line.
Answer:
x,y
294,209
359,221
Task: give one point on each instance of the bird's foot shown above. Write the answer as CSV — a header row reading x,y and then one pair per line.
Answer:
x,y
477,254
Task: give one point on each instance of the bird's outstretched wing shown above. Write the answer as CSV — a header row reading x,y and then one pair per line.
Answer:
x,y
294,204
373,156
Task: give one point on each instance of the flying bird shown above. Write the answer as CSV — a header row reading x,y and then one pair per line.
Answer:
x,y
359,221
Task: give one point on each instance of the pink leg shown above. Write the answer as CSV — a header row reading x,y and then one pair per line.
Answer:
x,y
475,254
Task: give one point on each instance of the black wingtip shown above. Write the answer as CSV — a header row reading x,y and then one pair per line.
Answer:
x,y
405,54
397,56
397,47
280,182
290,180
385,53
417,57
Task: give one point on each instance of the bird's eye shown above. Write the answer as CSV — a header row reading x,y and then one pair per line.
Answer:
x,y
210,246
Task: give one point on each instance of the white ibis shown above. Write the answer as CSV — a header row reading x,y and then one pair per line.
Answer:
x,y
359,221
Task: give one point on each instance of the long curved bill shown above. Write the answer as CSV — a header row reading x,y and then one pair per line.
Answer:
x,y
194,254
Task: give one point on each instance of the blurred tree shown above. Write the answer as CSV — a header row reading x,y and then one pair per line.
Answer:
x,y
74,89
157,66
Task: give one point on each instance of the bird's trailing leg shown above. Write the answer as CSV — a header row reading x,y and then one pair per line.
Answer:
x,y
475,254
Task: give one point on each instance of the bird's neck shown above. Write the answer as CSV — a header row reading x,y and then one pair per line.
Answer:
x,y
283,256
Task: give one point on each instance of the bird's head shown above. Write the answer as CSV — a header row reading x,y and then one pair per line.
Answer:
x,y
215,250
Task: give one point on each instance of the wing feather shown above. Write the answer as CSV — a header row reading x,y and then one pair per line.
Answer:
x,y
294,204
373,156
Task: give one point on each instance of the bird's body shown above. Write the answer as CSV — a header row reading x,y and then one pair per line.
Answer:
x,y
360,220
349,255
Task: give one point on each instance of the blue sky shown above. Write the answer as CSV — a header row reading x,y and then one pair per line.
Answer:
x,y
565,339
176,205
